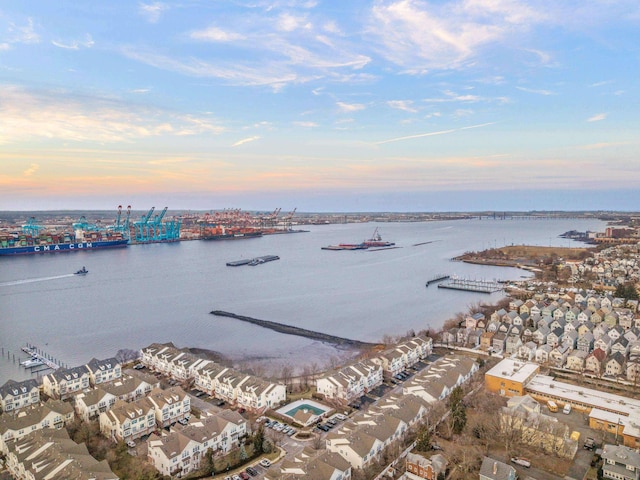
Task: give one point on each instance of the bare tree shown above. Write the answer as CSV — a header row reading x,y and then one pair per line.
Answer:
x,y
286,375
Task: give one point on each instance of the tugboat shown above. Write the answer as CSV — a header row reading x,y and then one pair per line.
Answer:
x,y
376,241
82,271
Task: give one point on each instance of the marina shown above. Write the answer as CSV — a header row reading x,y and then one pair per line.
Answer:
x,y
39,358
468,285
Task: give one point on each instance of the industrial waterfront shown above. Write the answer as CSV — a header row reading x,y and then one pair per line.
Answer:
x,y
164,292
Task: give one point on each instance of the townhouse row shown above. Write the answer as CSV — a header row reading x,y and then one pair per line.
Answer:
x,y
183,449
49,454
354,380
65,382
362,439
53,414
232,386
130,421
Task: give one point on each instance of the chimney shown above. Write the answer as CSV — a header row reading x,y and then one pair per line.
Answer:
x,y
495,468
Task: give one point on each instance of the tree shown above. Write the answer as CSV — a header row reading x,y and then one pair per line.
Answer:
x,y
258,439
458,410
286,375
243,453
423,440
126,355
208,466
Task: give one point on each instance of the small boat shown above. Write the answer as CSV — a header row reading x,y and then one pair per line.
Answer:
x,y
376,241
82,271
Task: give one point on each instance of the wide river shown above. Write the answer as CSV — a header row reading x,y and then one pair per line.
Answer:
x,y
164,292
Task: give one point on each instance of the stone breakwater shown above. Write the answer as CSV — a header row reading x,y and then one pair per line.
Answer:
x,y
301,332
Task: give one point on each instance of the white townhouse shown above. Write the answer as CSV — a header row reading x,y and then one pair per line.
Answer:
x,y
103,370
89,405
15,395
350,382
357,448
259,395
205,377
181,451
410,409
131,387
227,384
64,382
52,414
311,466
392,362
167,359
128,421
436,382
170,405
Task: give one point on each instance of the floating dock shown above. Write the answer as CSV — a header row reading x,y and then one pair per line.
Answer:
x,y
253,261
438,278
38,358
467,285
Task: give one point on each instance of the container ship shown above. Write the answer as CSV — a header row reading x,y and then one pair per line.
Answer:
x,y
374,242
223,233
17,243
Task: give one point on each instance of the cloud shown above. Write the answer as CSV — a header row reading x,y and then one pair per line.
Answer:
x,y
405,105
288,22
31,170
536,91
215,34
245,140
30,116
425,35
432,134
23,34
306,124
543,57
600,84
350,107
598,146
4,47
152,11
76,44
598,117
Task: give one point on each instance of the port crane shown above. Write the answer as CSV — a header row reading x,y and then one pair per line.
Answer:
x,y
120,225
84,225
142,227
288,220
31,227
153,229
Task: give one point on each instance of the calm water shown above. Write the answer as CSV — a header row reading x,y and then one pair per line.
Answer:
x,y
164,292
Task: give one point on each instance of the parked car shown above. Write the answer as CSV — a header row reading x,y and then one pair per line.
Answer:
x,y
220,403
242,410
252,471
523,462
589,444
131,444
244,476
265,463
340,416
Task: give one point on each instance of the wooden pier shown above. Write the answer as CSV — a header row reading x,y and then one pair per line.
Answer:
x,y
438,278
37,354
468,285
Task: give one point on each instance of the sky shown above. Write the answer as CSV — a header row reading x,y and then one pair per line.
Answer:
x,y
384,105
